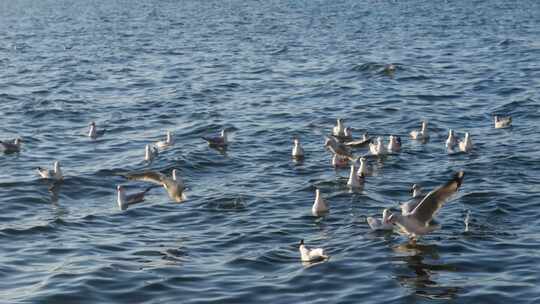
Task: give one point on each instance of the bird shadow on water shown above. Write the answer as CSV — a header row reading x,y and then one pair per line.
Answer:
x,y
419,276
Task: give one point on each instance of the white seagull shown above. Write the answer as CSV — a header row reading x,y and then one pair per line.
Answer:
x,y
55,173
220,141
419,221
339,129
451,141
169,141
297,151
311,255
382,224
174,184
421,134
502,122
394,145
355,181
319,205
377,148
417,196
11,147
93,132
124,200
362,169
466,145
150,152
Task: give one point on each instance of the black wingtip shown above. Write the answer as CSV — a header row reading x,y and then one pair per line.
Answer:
x,y
301,242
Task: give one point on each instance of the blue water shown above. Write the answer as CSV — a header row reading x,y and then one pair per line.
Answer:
x,y
267,70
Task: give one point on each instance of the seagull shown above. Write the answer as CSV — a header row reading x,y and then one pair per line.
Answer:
x,y
55,174
162,144
362,169
502,122
11,147
418,222
93,132
339,161
150,152
311,255
417,196
394,145
319,206
422,134
339,129
355,181
297,151
382,224
218,141
360,142
466,144
124,200
377,149
451,142
337,148
174,184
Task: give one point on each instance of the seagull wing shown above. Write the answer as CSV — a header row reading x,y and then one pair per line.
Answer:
x,y
150,176
434,200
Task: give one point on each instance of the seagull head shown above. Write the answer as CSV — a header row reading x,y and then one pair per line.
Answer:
x,y
365,136
120,188
339,121
296,141
385,215
348,132
18,141
392,219
301,243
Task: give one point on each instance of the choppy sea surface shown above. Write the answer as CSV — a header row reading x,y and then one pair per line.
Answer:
x,y
267,71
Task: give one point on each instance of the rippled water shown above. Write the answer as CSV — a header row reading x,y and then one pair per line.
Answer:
x,y
267,70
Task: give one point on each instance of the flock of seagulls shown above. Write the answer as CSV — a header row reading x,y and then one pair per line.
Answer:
x,y
417,215
415,219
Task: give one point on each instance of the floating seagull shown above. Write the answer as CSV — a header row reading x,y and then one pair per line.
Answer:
x,y
394,145
339,161
319,206
162,144
11,147
297,151
419,221
362,169
417,196
339,129
355,181
466,144
124,200
382,224
311,255
360,142
55,174
467,220
389,68
174,185
337,148
377,148
452,141
422,134
218,141
150,152
93,132
502,122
